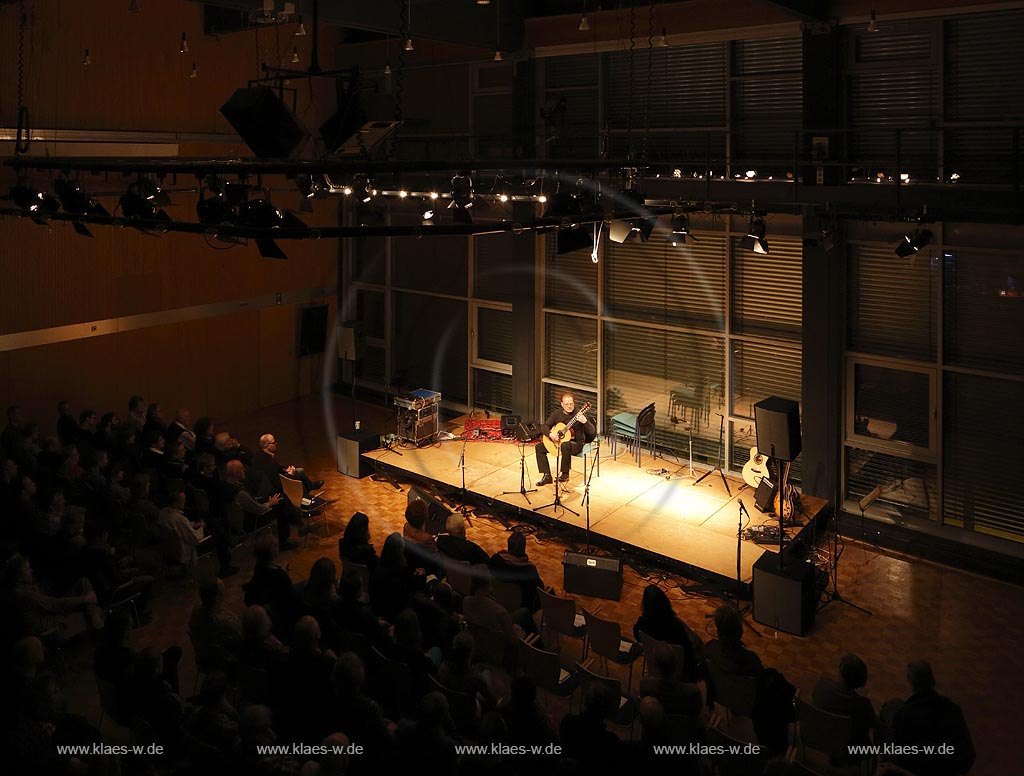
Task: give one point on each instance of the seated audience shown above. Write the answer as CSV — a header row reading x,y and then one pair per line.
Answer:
x,y
354,545
188,534
180,430
927,719
482,609
407,647
154,421
272,587
773,704
420,549
136,413
454,545
424,745
392,583
265,461
584,736
676,696
526,722
659,621
67,424
356,714
26,610
302,684
260,649
439,620
458,673
215,630
841,697
514,567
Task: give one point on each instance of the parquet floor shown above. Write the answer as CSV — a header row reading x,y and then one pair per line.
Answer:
x,y
971,628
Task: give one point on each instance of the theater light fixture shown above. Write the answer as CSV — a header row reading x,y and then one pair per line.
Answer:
x,y
755,239
873,23
462,198
584,24
87,60
913,242
144,200
183,48
25,196
680,230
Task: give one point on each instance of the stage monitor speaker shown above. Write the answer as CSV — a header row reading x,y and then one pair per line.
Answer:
x,y
509,423
764,495
784,599
351,342
350,451
778,428
437,512
592,575
266,124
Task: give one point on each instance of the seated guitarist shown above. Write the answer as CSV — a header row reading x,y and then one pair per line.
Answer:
x,y
571,441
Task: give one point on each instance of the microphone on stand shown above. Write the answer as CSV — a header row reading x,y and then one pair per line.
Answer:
x,y
743,507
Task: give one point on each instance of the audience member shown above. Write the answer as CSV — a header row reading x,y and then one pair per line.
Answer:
x,y
188,534
584,736
407,648
458,673
454,545
841,697
420,549
925,722
265,461
154,422
354,545
357,715
136,413
204,432
180,429
271,587
480,608
424,745
215,630
392,583
659,621
439,620
67,424
676,696
514,567
260,649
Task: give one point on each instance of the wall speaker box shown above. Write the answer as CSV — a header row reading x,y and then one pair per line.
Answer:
x,y
350,449
764,495
266,124
778,428
784,599
437,512
351,342
591,575
312,330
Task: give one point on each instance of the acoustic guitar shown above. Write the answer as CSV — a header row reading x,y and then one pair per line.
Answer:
x,y
561,430
755,469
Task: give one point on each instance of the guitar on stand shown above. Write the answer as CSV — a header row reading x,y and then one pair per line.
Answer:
x,y
755,469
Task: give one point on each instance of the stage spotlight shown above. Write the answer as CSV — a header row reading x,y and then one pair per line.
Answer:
x,y
214,207
680,230
260,213
28,198
76,201
755,239
143,200
913,242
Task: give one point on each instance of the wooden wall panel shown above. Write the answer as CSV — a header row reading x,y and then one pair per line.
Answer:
x,y
138,79
279,366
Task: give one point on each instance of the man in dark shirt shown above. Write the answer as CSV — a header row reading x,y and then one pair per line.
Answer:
x,y
569,443
841,697
266,462
513,566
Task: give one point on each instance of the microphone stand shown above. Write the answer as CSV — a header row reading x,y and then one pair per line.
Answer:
x,y
462,465
586,494
739,550
557,503
522,476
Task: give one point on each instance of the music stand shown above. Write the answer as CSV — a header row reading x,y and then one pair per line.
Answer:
x,y
522,438
721,454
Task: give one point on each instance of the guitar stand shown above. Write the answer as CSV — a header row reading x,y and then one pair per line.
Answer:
x,y
523,490
557,503
721,453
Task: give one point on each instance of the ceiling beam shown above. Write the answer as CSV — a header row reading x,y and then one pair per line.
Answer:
x,y
811,11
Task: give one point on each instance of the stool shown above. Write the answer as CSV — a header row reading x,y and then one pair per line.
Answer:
x,y
594,446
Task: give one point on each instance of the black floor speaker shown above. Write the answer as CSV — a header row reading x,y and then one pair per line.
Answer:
x,y
591,575
350,450
266,124
784,599
778,428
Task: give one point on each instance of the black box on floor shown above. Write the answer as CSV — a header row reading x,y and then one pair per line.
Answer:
x,y
351,446
784,599
592,575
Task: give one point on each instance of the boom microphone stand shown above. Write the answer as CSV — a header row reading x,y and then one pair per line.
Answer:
x,y
586,494
721,454
523,490
834,594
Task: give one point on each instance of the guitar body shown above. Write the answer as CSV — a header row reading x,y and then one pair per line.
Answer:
x,y
755,469
563,431
787,504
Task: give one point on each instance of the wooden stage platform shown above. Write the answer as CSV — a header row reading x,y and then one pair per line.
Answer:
x,y
684,527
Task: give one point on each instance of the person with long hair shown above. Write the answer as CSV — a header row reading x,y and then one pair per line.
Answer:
x,y
659,621
354,546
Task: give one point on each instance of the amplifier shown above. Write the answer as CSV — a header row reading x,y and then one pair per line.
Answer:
x,y
592,575
417,426
418,399
784,598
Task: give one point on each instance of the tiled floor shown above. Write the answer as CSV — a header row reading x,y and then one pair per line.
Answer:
x,y
970,628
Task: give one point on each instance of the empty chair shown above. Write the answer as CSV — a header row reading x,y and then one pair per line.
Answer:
x,y
636,429
731,759
312,508
463,707
459,574
827,733
545,669
604,638
492,647
625,709
591,448
559,616
508,594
